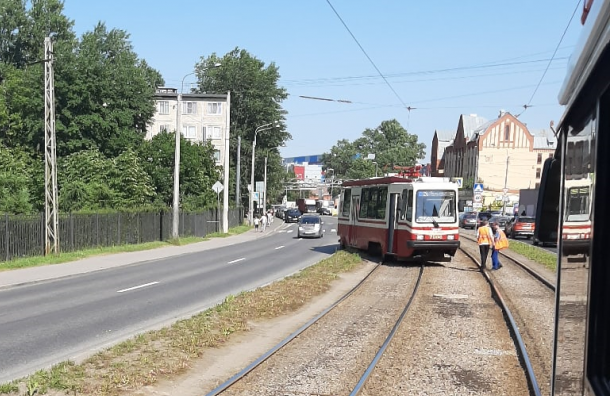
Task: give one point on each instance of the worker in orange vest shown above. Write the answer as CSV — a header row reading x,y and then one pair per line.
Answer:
x,y
485,239
500,242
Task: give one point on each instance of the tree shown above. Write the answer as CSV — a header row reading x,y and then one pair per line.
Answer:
x,y
15,182
391,144
198,172
255,100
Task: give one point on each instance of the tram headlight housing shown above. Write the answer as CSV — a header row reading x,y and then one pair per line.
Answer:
x,y
450,237
419,237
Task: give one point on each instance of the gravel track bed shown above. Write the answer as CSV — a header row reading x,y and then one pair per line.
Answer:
x,y
453,341
330,357
533,307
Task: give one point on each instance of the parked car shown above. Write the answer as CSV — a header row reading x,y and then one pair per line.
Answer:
x,y
310,226
501,220
468,220
483,216
520,226
292,215
325,211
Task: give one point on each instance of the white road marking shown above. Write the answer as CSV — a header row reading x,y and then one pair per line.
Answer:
x,y
236,261
279,247
289,231
137,287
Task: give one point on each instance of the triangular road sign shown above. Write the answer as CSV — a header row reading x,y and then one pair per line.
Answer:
x,y
478,187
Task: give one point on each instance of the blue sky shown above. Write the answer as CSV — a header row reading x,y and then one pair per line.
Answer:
x,y
464,57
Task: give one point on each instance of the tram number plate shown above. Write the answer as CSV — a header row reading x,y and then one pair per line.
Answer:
x,y
436,236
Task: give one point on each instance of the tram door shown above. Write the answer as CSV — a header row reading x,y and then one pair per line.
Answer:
x,y
352,235
392,217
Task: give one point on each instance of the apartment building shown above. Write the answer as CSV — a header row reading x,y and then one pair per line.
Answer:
x,y
204,117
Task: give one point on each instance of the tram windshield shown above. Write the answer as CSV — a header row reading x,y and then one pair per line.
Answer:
x,y
435,206
578,204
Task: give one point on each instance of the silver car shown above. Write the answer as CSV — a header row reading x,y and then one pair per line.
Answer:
x,y
310,226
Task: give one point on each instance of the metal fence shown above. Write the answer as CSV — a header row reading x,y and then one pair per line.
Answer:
x,y
23,236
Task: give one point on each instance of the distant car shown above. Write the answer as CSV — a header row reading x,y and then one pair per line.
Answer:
x,y
325,211
520,226
468,220
483,216
501,220
292,216
310,226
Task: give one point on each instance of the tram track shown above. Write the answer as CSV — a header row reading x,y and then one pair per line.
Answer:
x,y
368,313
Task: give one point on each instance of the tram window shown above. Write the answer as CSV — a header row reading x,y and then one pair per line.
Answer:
x,y
382,197
403,204
578,204
347,202
365,200
373,202
410,206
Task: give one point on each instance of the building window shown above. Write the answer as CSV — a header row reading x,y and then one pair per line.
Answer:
x,y
214,108
164,107
217,155
506,132
212,132
189,108
189,131
539,158
537,173
164,128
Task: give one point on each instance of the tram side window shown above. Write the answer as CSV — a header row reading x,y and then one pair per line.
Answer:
x,y
365,199
403,204
347,203
410,206
382,198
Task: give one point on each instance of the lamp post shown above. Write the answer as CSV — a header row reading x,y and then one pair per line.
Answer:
x,y
258,129
375,168
176,201
331,183
505,185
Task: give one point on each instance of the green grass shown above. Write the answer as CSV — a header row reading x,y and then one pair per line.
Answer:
x,y
534,253
169,352
38,261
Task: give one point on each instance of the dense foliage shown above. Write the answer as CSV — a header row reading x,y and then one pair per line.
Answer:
x,y
390,143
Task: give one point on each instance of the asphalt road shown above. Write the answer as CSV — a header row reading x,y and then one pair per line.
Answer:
x,y
70,318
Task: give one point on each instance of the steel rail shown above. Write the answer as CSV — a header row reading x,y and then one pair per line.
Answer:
x,y
231,381
381,351
518,340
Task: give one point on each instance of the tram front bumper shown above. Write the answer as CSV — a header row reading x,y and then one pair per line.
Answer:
x,y
433,245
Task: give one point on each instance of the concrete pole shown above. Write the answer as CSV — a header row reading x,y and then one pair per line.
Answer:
x,y
238,175
505,185
251,205
265,187
225,196
176,202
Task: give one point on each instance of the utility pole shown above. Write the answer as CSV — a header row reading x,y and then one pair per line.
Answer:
x,y
505,185
50,168
176,201
238,174
265,185
225,196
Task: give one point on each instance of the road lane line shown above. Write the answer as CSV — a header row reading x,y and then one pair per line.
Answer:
x,y
137,287
236,261
279,247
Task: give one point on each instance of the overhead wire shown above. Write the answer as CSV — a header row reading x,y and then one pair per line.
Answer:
x,y
529,102
366,54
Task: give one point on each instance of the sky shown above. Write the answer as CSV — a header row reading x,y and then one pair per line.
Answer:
x,y
462,57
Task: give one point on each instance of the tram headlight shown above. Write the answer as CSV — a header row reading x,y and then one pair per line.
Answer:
x,y
450,237
419,237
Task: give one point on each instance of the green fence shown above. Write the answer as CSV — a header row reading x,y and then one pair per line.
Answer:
x,y
23,236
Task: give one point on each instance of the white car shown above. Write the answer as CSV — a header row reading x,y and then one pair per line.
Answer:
x,y
310,226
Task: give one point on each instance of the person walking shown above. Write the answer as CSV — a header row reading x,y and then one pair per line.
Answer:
x,y
256,222
500,242
485,239
263,222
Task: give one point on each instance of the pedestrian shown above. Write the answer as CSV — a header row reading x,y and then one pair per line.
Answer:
x,y
256,221
263,222
500,242
269,217
485,239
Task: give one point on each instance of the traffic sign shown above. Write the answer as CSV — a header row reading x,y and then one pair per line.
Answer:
x,y
505,190
477,205
478,198
255,196
217,187
478,187
459,181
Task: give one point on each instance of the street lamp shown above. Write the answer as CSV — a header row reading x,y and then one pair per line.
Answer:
x,y
176,201
375,168
258,129
331,183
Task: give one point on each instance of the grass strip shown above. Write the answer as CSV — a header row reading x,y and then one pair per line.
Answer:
x,y
168,352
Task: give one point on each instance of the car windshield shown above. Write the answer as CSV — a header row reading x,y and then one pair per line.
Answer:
x,y
310,220
526,220
293,212
435,206
470,216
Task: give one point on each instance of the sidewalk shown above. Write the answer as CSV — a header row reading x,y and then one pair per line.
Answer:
x,y
97,263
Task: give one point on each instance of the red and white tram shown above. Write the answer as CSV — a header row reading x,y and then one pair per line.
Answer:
x,y
403,218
